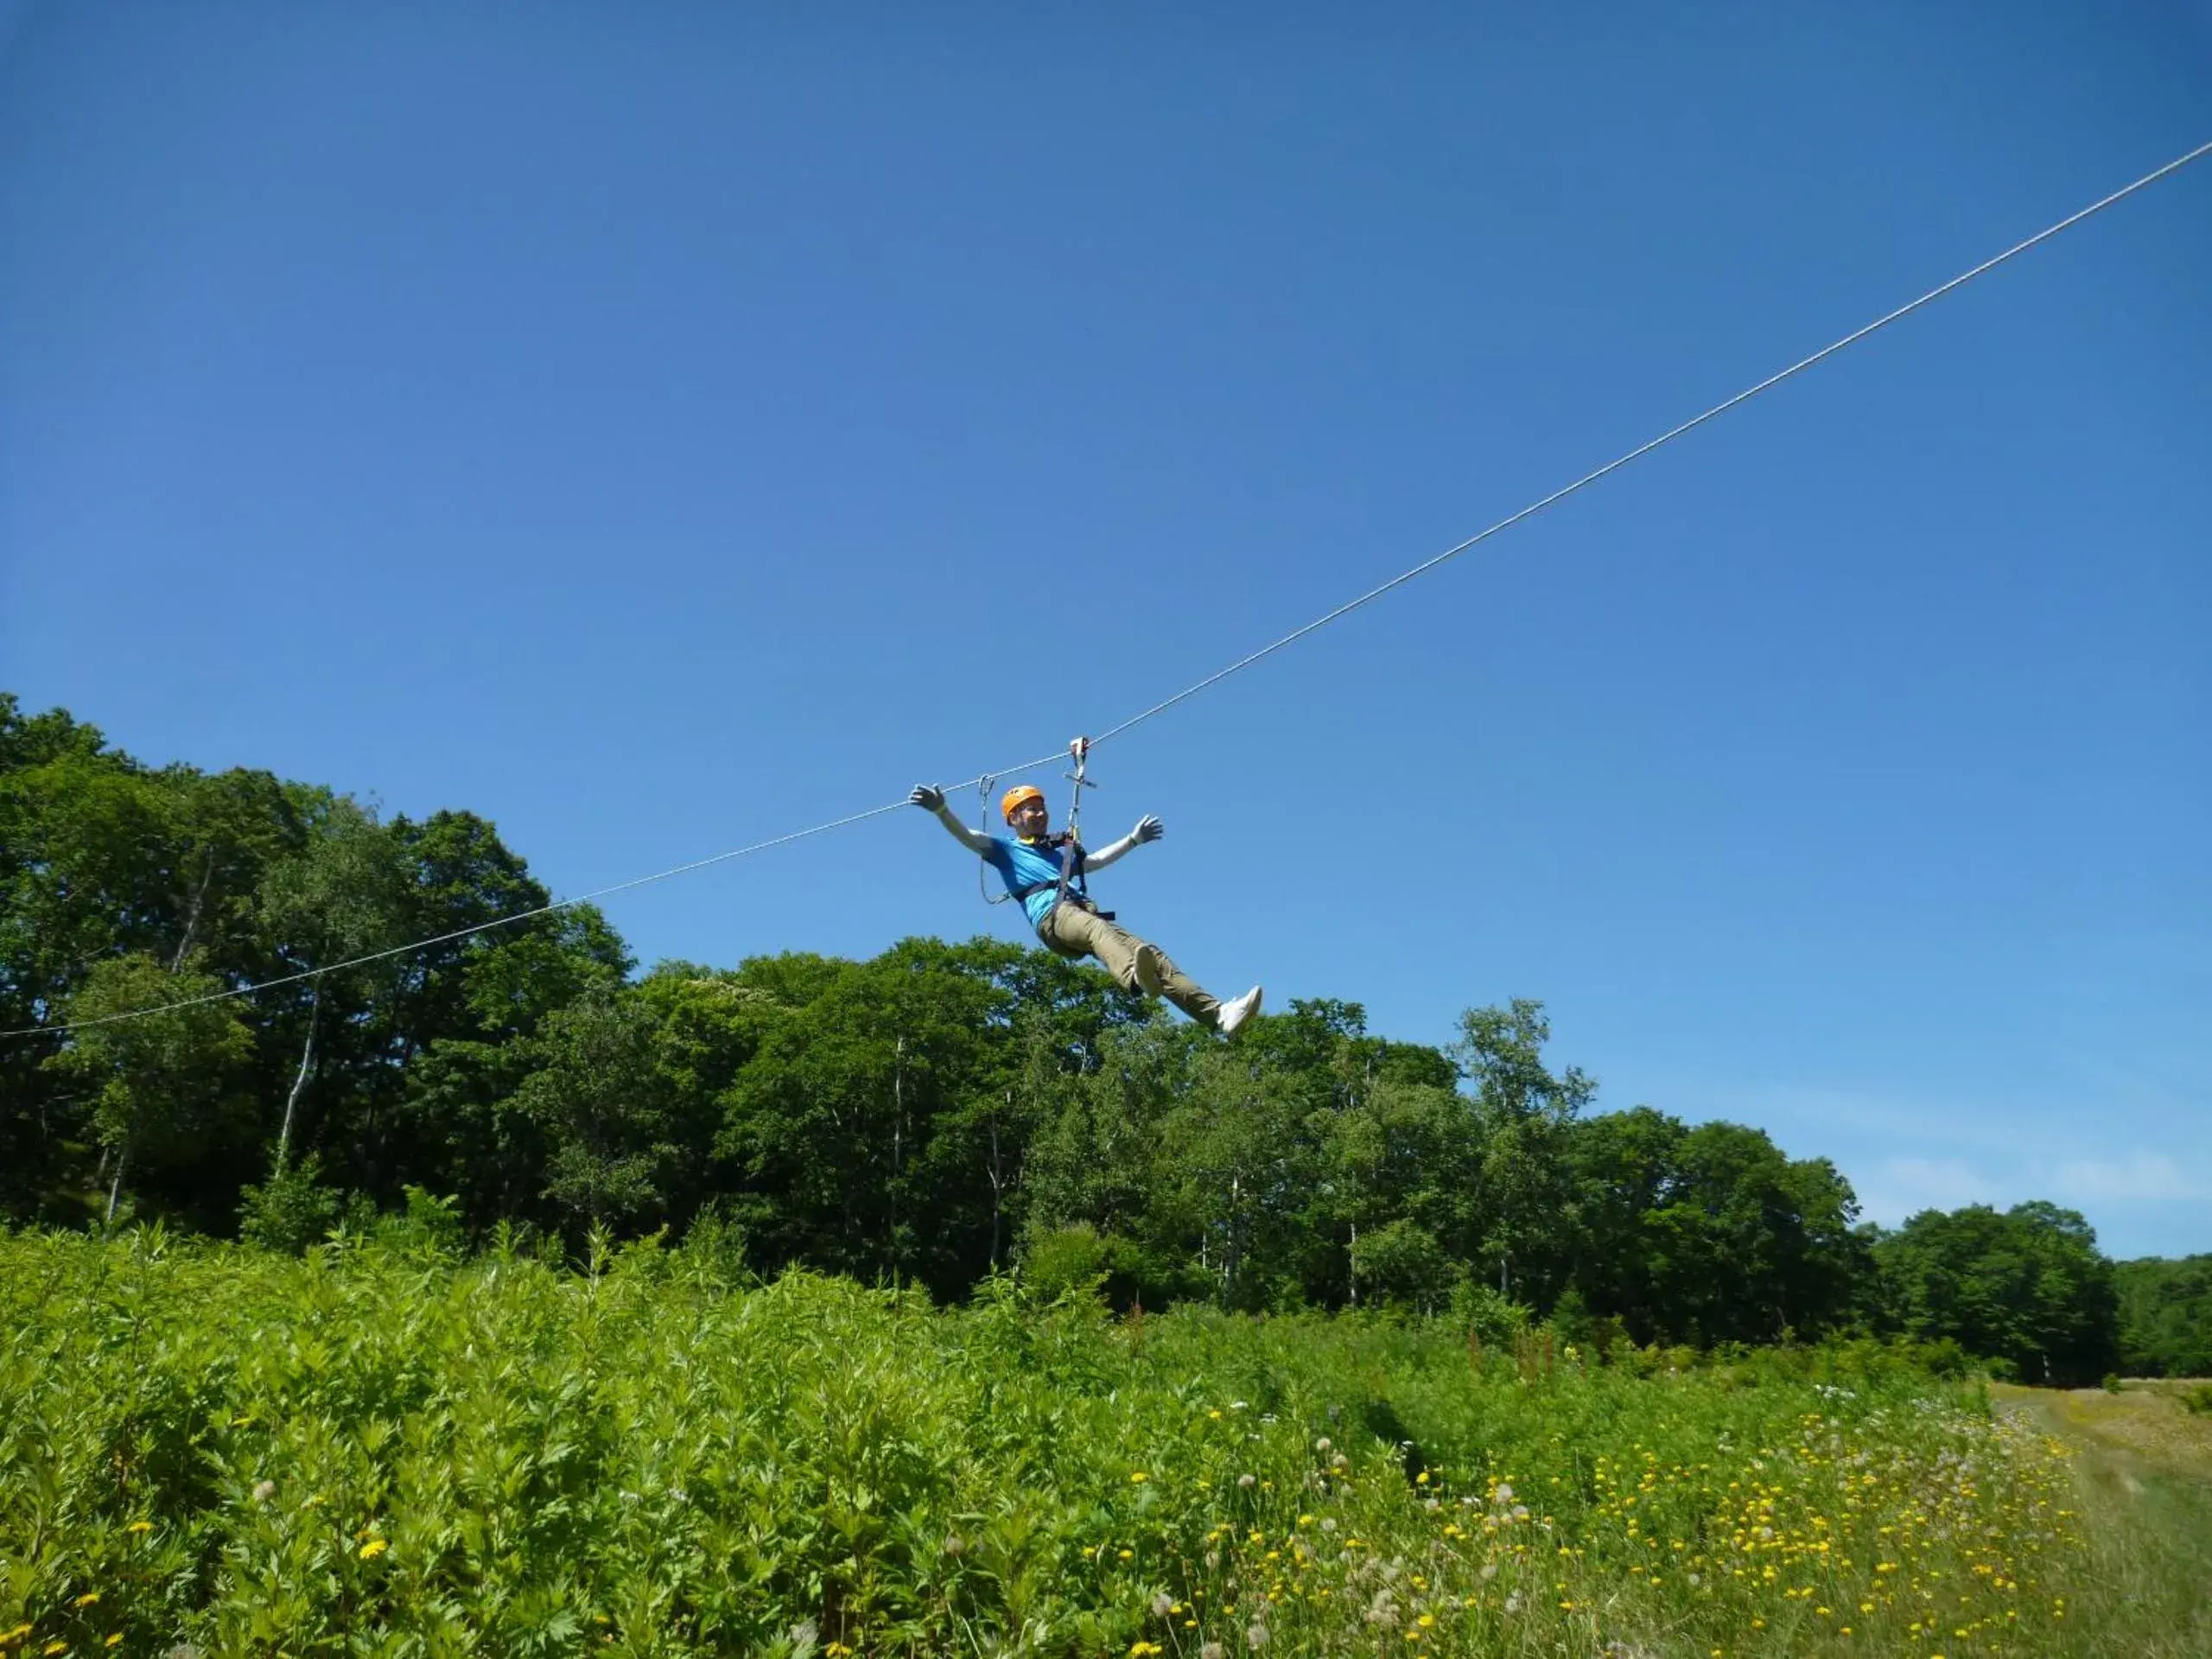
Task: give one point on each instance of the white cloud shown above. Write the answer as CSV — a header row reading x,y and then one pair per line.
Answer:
x,y
2143,1175
1905,1186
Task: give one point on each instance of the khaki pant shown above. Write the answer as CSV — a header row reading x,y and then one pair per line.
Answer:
x,y
1071,931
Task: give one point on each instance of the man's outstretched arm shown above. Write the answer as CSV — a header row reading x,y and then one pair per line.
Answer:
x,y
1148,828
930,798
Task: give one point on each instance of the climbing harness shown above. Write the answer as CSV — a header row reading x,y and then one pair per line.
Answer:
x,y
1071,854
1069,841
983,786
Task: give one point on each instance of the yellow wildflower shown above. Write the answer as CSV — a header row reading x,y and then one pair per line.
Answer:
x,y
373,1548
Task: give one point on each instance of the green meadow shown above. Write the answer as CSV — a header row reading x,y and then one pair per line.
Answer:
x,y
206,1450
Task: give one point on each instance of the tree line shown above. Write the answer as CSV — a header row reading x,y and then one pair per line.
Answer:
x,y
934,1115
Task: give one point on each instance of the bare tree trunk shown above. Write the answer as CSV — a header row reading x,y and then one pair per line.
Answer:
x,y
898,1144
998,1182
115,1191
1232,1251
191,917
300,1080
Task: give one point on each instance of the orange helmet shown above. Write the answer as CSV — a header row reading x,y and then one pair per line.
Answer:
x,y
1016,796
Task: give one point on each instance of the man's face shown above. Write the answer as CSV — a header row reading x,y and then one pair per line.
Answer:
x,y
1031,819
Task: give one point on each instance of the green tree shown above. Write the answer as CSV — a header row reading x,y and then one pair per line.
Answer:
x,y
1746,1244
1408,1157
429,1103
343,896
605,1108
101,858
156,1080
831,1127
2165,1316
1524,1192
2026,1286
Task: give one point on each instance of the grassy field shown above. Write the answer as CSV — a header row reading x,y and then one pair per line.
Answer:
x,y
2143,1467
207,1451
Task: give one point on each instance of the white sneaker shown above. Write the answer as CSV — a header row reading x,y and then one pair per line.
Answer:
x,y
1148,975
1235,1011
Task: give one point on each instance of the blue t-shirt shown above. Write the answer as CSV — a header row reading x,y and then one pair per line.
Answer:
x,y
1020,864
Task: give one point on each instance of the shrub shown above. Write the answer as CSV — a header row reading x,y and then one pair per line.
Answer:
x,y
292,1210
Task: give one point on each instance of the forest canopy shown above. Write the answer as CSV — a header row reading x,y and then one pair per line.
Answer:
x,y
933,1114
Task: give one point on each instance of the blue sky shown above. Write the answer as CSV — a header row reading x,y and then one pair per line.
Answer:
x,y
660,427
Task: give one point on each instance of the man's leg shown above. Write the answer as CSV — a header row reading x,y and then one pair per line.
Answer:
x,y
1181,989
1074,930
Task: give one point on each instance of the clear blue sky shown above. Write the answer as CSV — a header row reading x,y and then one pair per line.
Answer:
x,y
660,427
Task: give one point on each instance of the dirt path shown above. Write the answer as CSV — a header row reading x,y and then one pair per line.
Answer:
x,y
2143,1469
2142,1430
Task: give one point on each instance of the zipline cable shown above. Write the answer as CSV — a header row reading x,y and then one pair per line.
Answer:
x,y
1664,438
1210,680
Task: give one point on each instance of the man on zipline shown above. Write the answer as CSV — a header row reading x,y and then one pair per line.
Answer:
x,y
1045,873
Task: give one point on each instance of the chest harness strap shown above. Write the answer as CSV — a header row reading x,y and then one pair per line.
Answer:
x,y
1071,886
